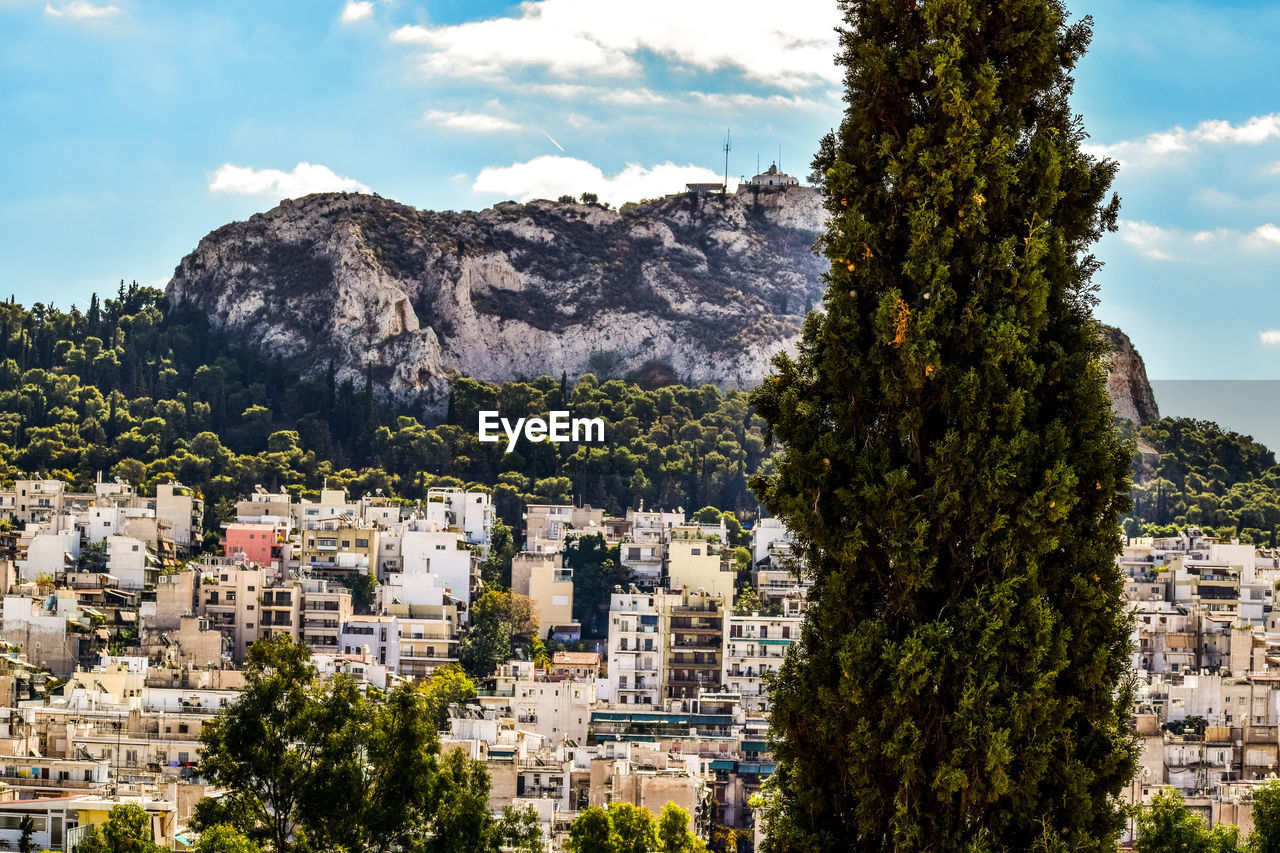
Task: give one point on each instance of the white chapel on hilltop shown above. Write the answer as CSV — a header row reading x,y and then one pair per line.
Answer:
x,y
771,177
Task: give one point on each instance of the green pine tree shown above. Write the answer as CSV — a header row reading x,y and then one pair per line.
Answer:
x,y
948,459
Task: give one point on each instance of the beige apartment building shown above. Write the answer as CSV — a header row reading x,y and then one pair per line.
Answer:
x,y
544,579
334,547
228,598
325,606
695,561
694,621
549,524
247,604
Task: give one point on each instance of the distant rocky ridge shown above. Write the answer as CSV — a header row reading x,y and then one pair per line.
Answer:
x,y
689,288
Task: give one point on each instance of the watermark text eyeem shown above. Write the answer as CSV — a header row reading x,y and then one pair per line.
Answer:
x,y
557,427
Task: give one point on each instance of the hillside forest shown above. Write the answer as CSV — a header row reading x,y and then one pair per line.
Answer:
x,y
129,388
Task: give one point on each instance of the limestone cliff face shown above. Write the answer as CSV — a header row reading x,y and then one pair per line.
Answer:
x,y
694,289
697,289
1131,395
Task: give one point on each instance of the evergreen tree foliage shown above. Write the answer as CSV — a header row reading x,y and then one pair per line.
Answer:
x,y
597,569
495,571
139,390
26,828
589,832
1194,473
948,461
674,835
633,829
447,685
497,620
520,830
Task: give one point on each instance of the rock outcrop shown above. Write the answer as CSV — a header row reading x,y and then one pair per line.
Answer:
x,y
1131,395
689,288
701,288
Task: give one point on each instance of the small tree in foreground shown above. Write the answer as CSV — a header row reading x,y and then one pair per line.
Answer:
x,y
624,828
311,766
1168,826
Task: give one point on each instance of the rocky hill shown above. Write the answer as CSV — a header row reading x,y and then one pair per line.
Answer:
x,y
700,288
690,289
1131,395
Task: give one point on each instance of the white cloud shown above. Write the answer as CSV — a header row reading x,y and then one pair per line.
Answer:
x,y
82,11
1166,244
552,176
632,97
1266,236
1147,238
356,10
743,100
566,38
306,178
1158,147
470,122
1271,337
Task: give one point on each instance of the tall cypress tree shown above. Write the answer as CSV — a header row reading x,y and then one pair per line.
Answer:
x,y
949,462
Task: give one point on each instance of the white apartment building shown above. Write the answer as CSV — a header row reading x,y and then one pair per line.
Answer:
x,y
470,512
428,549
546,524
332,504
755,645
765,533
411,644
49,554
131,563
556,710
180,513
636,648
643,560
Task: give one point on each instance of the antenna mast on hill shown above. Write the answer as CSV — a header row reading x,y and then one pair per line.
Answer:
x,y
727,147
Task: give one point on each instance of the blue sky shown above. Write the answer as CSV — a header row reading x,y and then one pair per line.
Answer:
x,y
133,128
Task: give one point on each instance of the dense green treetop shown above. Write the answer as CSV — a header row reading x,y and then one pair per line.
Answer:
x,y
311,765
1191,472
1166,825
